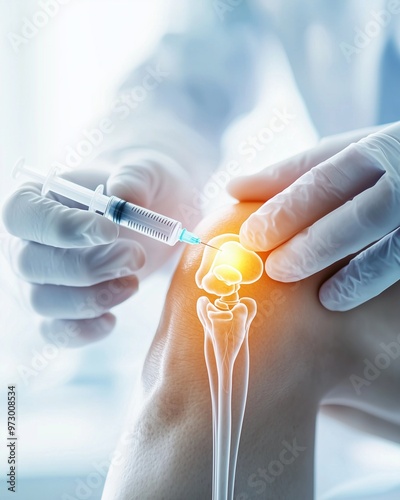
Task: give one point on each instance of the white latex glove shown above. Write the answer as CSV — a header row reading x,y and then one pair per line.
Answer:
x,y
331,207
79,264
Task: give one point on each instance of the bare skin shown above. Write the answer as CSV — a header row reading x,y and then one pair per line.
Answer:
x,y
301,356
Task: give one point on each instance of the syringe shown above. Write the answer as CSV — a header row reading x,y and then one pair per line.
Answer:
x,y
126,214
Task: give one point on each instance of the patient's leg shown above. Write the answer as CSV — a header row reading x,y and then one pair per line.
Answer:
x,y
300,354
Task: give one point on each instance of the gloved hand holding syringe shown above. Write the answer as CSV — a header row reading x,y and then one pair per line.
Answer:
x,y
119,211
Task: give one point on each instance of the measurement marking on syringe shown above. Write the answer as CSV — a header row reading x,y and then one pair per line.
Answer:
x,y
119,211
147,230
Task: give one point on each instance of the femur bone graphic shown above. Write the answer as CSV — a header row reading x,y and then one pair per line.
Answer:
x,y
222,273
226,325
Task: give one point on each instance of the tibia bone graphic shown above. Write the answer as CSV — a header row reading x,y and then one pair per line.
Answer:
x,y
226,326
226,345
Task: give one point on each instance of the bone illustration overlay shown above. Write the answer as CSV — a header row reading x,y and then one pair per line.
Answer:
x,y
226,324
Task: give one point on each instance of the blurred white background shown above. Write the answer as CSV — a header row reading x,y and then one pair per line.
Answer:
x,y
70,413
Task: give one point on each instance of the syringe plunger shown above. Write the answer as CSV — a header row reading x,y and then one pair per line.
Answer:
x,y
95,200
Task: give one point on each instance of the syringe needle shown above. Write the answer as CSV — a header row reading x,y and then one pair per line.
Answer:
x,y
121,212
207,245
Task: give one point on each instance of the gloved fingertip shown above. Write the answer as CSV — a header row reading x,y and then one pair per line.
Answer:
x,y
77,333
235,187
135,183
332,298
131,282
130,285
121,259
137,256
273,270
100,231
279,268
252,234
117,187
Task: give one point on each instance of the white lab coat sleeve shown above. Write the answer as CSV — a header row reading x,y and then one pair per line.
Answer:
x,y
181,99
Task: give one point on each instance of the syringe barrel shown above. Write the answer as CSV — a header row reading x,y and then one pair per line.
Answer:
x,y
143,221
